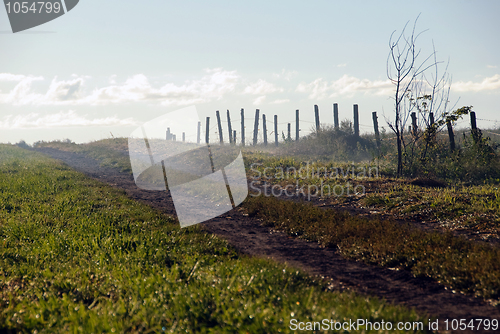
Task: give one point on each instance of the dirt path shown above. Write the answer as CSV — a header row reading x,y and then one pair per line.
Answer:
x,y
250,237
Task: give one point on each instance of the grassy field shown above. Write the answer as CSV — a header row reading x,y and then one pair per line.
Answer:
x,y
460,264
457,263
78,256
455,206
458,206
110,152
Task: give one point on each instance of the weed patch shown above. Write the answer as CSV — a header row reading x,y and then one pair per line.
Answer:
x,y
457,263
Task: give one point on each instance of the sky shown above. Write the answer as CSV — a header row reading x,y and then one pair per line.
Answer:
x,y
106,67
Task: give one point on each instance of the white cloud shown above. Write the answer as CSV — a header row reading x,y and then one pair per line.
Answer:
x,y
280,101
262,87
346,85
491,66
63,91
211,86
12,77
58,93
61,119
20,94
487,84
259,100
342,65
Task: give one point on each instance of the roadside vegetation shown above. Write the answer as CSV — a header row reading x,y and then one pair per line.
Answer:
x,y
78,256
455,262
111,152
454,191
468,199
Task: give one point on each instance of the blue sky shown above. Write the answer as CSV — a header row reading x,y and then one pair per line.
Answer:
x,y
108,66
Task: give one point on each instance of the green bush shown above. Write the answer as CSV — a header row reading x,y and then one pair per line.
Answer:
x,y
474,160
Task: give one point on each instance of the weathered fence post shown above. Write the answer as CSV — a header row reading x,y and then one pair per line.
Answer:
x,y
264,129
242,127
169,135
229,128
375,128
256,127
276,130
183,137
356,121
451,135
473,123
297,128
430,128
234,137
207,133
473,126
198,135
219,125
316,116
414,125
174,137
336,115
289,137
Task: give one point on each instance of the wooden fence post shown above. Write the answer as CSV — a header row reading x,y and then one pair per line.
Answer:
x,y
264,129
229,128
336,115
207,133
219,125
234,137
289,137
183,137
242,127
375,128
169,135
198,135
174,137
431,124
356,121
256,127
414,125
473,123
297,128
316,116
451,135
473,126
276,130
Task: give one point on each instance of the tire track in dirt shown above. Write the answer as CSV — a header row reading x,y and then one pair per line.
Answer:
x,y
250,237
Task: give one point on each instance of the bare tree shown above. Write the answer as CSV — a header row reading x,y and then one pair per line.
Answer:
x,y
419,88
403,68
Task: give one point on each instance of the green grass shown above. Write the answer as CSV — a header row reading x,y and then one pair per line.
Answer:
x,y
455,262
77,256
459,264
472,207
110,152
475,208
